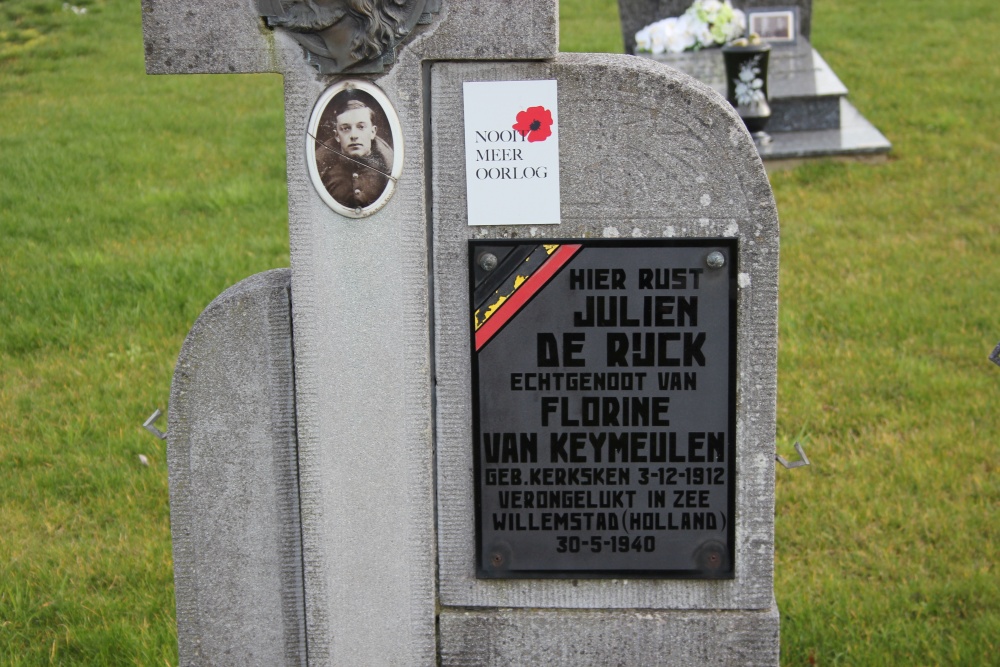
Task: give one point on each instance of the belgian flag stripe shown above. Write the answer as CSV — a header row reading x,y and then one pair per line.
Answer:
x,y
523,294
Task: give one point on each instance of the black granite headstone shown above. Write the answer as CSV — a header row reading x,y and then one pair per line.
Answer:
x,y
604,392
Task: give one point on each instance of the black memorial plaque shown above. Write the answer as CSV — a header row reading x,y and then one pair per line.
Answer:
x,y
604,407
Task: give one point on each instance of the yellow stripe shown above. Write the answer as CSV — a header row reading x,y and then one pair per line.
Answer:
x,y
518,281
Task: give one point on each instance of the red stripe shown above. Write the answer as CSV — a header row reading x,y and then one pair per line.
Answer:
x,y
531,286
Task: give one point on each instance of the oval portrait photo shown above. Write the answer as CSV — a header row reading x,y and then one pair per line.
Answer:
x,y
354,148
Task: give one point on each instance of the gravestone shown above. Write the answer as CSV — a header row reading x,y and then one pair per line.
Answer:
x,y
449,504
233,482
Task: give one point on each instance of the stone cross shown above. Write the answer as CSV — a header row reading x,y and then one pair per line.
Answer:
x,y
322,501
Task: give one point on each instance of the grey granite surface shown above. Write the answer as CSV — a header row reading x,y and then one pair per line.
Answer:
x,y
803,90
811,116
498,638
794,71
233,482
645,152
855,138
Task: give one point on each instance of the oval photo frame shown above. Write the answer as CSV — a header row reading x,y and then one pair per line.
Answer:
x,y
354,148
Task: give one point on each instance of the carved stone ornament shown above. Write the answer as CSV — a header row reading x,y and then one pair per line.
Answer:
x,y
356,36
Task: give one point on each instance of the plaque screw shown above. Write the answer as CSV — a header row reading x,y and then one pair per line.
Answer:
x,y
496,559
487,261
716,260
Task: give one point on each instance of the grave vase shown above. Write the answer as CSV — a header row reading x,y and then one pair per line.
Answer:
x,y
746,86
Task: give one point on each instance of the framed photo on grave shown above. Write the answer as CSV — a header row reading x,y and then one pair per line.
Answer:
x,y
354,148
775,25
604,407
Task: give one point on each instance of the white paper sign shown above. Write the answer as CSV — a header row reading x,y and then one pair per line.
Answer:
x,y
512,152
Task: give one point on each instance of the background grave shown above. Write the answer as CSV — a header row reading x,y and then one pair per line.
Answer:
x,y
811,116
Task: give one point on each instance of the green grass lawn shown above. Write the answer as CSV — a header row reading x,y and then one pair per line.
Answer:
x,y
128,202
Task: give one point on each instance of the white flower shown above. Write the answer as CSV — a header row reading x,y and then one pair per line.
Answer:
x,y
749,85
658,36
702,33
738,26
705,23
681,38
643,40
670,34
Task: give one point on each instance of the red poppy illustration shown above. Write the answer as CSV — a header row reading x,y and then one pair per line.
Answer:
x,y
535,123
